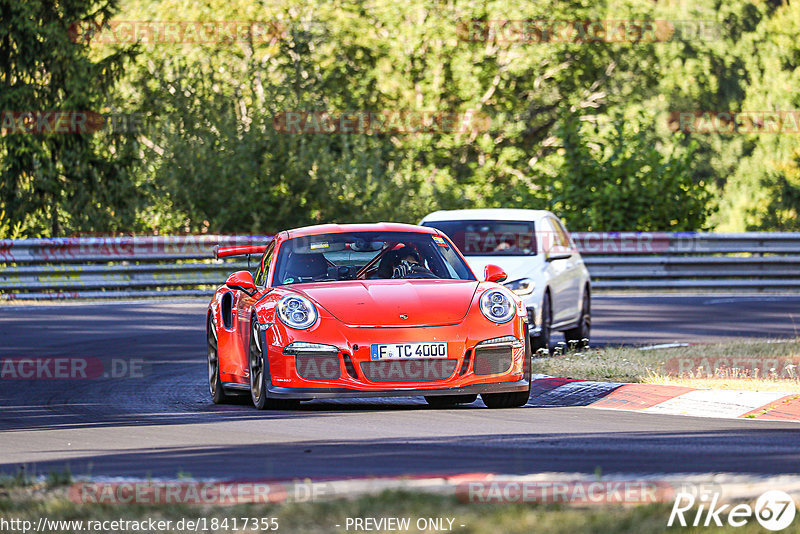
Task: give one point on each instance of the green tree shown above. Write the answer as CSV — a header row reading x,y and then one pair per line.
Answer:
x,y
58,183
616,179
763,192
212,159
218,100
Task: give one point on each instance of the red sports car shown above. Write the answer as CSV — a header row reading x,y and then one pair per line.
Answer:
x,y
366,310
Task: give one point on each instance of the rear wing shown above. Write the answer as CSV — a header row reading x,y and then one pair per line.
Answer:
x,y
224,252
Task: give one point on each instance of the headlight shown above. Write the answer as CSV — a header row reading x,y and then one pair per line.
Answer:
x,y
299,347
296,312
523,286
497,306
503,341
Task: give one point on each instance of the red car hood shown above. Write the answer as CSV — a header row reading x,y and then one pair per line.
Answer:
x,y
382,302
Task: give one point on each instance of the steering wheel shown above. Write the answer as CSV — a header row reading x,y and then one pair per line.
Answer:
x,y
418,271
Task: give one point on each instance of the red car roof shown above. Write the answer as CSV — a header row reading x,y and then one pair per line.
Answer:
x,y
366,227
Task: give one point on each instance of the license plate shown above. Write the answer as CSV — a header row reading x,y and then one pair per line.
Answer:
x,y
402,351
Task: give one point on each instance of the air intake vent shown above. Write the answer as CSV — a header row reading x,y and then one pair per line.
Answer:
x,y
492,361
227,309
409,370
318,366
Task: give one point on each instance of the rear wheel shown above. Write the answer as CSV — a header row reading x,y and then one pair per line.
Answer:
x,y
258,377
542,341
440,401
215,387
583,329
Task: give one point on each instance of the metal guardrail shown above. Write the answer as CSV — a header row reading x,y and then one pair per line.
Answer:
x,y
101,267
691,260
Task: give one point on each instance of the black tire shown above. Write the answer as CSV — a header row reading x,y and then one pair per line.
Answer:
x,y
258,377
218,395
542,341
584,328
441,401
506,400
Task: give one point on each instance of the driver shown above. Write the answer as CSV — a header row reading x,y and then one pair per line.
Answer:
x,y
408,262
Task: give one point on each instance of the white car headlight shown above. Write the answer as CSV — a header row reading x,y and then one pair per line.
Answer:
x,y
523,286
296,312
497,306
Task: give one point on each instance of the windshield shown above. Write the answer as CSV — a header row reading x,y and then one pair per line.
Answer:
x,y
368,256
490,238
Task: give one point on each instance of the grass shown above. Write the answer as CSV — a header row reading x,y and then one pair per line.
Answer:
x,y
32,502
762,366
18,480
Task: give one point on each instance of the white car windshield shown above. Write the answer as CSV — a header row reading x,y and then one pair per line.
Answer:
x,y
490,238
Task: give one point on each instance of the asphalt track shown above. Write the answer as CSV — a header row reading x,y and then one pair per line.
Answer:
x,y
163,423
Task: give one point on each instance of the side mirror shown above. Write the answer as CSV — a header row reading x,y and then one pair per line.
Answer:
x,y
243,281
493,273
553,256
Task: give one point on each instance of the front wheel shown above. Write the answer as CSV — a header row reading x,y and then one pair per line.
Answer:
x,y
258,377
506,400
583,329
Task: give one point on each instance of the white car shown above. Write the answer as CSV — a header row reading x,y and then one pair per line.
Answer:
x,y
541,261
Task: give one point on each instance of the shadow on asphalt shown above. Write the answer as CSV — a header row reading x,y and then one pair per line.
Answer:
x,y
756,450
193,407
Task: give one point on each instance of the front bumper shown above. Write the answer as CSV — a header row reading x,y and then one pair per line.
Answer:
x,y
348,379
344,393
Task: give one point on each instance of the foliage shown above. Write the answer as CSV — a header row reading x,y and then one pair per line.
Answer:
x,y
7,230
618,179
59,183
767,182
578,127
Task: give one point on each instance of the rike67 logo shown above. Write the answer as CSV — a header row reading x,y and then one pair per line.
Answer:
x,y
774,510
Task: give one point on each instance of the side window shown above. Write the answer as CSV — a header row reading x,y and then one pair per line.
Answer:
x,y
563,237
546,235
552,235
263,269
